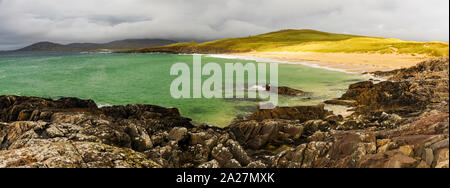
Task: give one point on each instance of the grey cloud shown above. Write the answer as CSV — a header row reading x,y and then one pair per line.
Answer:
x,y
26,21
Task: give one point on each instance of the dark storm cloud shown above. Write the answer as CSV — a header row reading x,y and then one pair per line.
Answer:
x,y
27,21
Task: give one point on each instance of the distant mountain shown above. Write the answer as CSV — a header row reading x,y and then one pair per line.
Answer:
x,y
115,45
45,46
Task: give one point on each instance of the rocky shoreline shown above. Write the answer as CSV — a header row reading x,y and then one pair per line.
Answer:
x,y
399,123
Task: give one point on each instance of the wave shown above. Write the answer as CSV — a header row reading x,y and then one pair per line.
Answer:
x,y
104,105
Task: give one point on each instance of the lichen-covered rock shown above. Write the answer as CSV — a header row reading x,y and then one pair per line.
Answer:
x,y
238,152
224,156
257,164
210,164
310,155
140,140
58,153
318,136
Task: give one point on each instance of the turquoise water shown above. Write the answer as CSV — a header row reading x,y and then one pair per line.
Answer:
x,y
120,79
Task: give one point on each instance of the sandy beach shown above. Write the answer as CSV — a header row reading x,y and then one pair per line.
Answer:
x,y
350,62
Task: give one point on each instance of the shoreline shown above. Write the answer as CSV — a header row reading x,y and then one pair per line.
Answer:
x,y
392,127
344,62
279,61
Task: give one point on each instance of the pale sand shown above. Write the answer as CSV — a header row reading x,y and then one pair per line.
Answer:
x,y
350,62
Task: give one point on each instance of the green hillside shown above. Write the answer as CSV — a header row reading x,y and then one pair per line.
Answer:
x,y
308,41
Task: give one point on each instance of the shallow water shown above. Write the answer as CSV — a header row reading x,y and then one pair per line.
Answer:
x,y
120,79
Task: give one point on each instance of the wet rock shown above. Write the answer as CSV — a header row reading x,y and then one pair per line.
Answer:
x,y
356,90
341,102
282,90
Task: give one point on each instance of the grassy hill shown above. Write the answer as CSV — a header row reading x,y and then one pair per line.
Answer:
x,y
307,41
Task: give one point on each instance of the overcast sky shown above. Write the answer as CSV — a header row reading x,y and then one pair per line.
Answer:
x,y
23,22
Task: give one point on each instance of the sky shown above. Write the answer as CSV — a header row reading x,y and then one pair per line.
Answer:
x,y
23,22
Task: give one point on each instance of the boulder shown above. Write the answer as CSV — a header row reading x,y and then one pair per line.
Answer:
x,y
238,152
257,135
178,134
224,156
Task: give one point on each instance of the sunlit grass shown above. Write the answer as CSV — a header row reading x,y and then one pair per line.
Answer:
x,y
316,41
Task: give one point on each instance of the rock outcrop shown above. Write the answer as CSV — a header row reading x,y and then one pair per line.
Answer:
x,y
301,113
400,123
283,90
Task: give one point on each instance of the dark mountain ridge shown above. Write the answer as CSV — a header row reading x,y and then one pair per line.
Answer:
x,y
114,45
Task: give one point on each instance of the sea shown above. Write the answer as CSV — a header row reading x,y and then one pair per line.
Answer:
x,y
121,79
